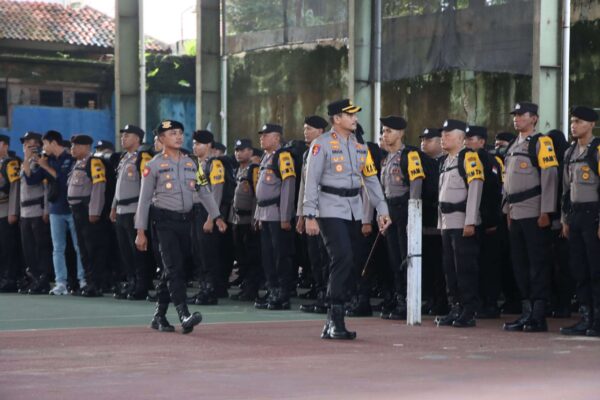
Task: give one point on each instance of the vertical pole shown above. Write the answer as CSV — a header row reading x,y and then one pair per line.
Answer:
x,y
223,74
142,66
376,67
351,48
413,301
198,64
565,66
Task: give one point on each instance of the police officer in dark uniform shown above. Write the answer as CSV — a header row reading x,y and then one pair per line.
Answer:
x,y
9,217
123,208
398,189
530,194
274,213
35,230
580,215
168,183
459,219
338,169
85,193
246,240
314,126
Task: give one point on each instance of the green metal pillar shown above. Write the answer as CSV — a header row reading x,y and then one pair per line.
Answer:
x,y
127,64
546,73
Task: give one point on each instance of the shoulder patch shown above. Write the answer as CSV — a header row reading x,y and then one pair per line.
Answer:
x,y
146,171
98,171
415,167
369,169
217,173
13,170
286,165
473,167
546,155
316,148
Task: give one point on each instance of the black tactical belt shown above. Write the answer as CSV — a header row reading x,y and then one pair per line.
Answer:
x,y
126,202
340,192
525,195
270,202
242,213
33,202
449,208
592,206
398,201
160,214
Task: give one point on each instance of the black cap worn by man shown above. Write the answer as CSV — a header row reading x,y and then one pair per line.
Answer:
x,y
584,113
342,106
393,122
452,124
525,107
31,135
219,146
104,145
316,122
168,124
479,131
505,136
430,133
242,144
269,128
133,129
5,139
82,139
203,136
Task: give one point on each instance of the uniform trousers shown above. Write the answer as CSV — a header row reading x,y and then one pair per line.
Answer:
x,y
133,261
584,250
277,248
246,244
396,238
37,246
460,266
9,257
93,244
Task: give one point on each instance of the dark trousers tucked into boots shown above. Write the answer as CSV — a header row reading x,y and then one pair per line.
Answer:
x,y
37,249
277,248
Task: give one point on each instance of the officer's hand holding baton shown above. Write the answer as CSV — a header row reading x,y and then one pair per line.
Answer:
x,y
141,242
384,222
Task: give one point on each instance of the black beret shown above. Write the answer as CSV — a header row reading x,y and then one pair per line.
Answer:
x,y
104,144
5,139
474,130
585,113
31,135
81,139
342,106
167,124
53,136
241,144
393,122
316,122
506,136
452,124
524,107
203,136
133,129
219,146
268,128
429,133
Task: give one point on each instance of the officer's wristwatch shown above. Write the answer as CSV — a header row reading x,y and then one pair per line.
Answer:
x,y
310,216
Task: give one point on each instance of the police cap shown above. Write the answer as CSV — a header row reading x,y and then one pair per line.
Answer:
x,y
82,139
5,139
316,122
585,113
104,144
167,124
219,146
268,128
393,122
429,133
479,131
524,107
342,106
203,136
31,135
133,129
452,124
242,144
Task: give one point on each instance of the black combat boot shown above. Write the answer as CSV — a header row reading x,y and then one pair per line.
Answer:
x,y
466,318
318,307
159,322
448,319
517,325
581,326
594,329
337,327
537,322
207,296
262,302
399,311
280,300
41,286
360,307
188,321
325,331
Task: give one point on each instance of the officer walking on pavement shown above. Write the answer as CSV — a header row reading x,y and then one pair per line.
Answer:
x,y
9,217
530,194
168,183
460,191
580,214
338,167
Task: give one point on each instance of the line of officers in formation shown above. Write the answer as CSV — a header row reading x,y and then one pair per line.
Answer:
x,y
518,223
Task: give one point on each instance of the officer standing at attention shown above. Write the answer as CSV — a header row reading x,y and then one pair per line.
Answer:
x,y
460,190
338,167
168,183
314,127
581,207
124,205
399,186
85,193
530,194
9,216
275,191
35,230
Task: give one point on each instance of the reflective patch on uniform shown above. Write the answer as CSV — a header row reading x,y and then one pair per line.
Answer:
x,y
473,167
546,156
339,167
169,185
316,149
99,174
415,169
146,171
12,171
217,173
369,168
